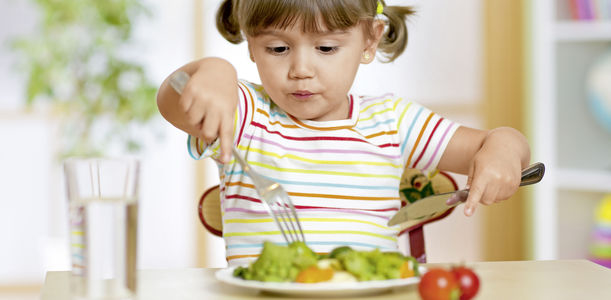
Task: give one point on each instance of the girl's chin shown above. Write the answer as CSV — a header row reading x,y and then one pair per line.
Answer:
x,y
304,115
301,116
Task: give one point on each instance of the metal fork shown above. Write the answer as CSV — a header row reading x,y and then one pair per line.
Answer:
x,y
273,196
276,201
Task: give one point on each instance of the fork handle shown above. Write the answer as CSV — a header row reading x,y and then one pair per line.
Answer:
x,y
241,161
245,166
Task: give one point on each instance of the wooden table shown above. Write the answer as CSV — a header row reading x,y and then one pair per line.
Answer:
x,y
557,279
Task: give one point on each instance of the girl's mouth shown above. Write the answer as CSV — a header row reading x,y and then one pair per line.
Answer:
x,y
302,95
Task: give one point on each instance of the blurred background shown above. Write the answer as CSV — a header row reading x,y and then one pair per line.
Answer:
x,y
543,67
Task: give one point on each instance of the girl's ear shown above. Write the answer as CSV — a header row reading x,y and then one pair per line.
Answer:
x,y
371,45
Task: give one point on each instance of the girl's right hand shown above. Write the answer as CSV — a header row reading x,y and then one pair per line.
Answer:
x,y
206,108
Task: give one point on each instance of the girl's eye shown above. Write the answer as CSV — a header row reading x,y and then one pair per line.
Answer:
x,y
327,49
277,50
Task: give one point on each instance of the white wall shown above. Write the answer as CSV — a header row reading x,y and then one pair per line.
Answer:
x,y
441,66
33,225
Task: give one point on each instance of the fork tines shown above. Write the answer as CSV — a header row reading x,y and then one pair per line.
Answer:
x,y
289,224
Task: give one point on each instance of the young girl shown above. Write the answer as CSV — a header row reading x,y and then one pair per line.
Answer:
x,y
339,156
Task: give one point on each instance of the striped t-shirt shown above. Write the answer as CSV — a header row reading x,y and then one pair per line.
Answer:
x,y
342,176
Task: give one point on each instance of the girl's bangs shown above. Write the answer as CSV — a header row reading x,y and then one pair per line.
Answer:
x,y
314,15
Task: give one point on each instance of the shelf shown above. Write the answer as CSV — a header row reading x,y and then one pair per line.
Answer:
x,y
579,31
584,180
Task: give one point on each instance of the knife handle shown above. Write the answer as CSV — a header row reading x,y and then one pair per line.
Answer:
x,y
532,174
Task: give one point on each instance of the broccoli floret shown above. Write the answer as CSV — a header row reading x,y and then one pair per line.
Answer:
x,y
388,265
358,264
303,256
279,263
339,250
372,265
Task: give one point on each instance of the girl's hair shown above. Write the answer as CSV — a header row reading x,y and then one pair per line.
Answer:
x,y
254,16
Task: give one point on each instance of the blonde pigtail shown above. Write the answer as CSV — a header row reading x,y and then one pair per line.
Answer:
x,y
227,23
394,40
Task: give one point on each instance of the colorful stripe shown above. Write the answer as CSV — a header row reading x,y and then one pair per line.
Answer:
x,y
308,232
321,150
323,172
420,134
317,161
324,220
321,184
363,212
428,141
334,244
441,142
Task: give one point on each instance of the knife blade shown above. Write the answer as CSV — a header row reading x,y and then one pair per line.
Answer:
x,y
434,205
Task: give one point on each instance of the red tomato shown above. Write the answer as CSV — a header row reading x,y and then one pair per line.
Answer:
x,y
467,280
438,284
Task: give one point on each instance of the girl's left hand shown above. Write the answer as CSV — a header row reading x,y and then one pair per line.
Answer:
x,y
493,160
492,178
495,170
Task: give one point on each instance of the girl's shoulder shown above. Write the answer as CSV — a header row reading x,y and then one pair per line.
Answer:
x,y
252,89
375,98
383,101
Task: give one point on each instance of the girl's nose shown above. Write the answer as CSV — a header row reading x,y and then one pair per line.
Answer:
x,y
301,66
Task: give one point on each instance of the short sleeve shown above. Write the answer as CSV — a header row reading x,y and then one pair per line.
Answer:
x,y
247,93
424,135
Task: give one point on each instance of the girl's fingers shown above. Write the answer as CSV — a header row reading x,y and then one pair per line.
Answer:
x,y
185,102
210,127
226,136
470,206
475,195
477,184
196,114
490,197
218,126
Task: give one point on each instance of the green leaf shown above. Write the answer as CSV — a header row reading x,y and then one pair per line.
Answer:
x,y
72,63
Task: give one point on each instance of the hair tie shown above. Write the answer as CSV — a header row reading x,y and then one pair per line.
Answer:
x,y
380,8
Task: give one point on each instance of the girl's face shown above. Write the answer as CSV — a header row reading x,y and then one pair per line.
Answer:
x,y
309,75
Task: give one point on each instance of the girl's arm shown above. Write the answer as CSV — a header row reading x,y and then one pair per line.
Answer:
x,y
493,161
206,108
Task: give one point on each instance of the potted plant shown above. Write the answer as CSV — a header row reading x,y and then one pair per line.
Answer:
x,y
76,62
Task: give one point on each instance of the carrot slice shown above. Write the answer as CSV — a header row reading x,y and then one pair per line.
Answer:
x,y
314,274
406,271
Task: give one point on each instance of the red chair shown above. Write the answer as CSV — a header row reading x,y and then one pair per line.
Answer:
x,y
414,186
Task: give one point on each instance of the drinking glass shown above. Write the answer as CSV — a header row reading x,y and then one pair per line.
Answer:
x,y
103,214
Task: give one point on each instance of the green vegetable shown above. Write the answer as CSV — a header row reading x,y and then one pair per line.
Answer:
x,y
279,263
339,250
283,263
372,265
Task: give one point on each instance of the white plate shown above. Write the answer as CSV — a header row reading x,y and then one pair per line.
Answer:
x,y
325,289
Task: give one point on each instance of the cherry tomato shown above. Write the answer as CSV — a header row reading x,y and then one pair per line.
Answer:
x,y
438,284
467,280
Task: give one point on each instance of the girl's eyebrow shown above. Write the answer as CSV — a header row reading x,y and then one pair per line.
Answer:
x,y
274,32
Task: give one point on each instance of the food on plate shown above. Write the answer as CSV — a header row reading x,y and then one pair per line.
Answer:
x,y
298,263
279,263
460,282
313,274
